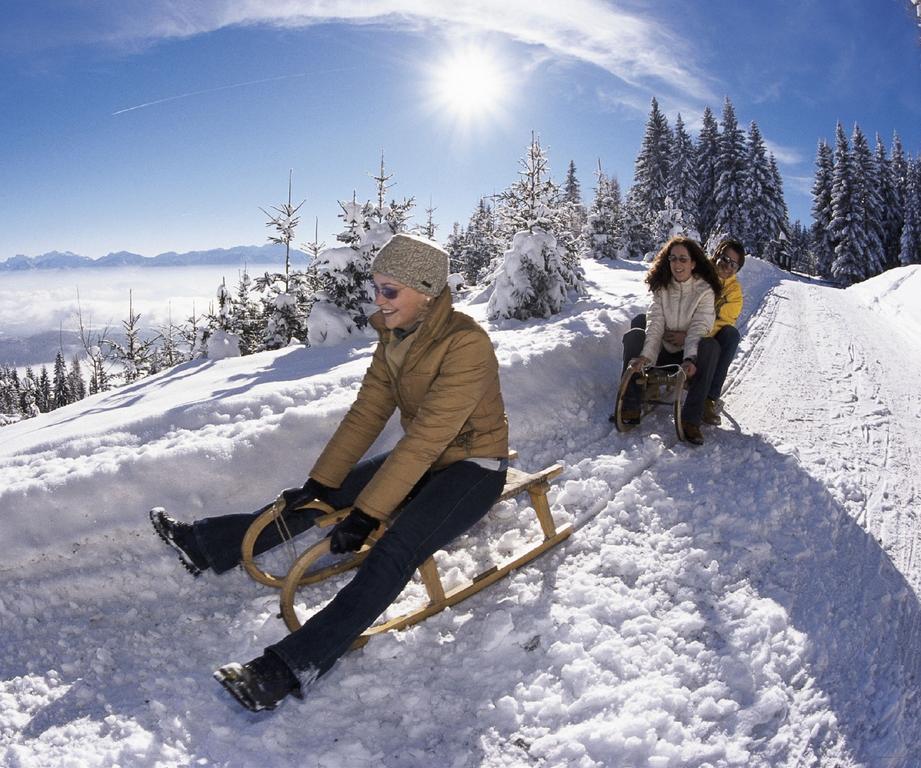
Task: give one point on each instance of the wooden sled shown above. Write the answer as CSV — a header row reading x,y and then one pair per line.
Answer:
x,y
659,385
302,572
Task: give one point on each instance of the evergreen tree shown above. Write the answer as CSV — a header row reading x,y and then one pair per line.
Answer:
x,y
536,274
482,244
454,246
43,395
603,232
247,320
28,405
849,265
637,228
800,249
891,202
75,380
652,169
708,146
757,196
342,300
284,221
823,243
910,241
60,388
868,201
135,355
777,218
574,211
683,189
732,176
10,408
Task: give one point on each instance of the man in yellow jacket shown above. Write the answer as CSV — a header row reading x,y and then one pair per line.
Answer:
x,y
728,258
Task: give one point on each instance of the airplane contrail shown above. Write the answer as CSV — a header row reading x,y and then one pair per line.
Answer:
x,y
224,88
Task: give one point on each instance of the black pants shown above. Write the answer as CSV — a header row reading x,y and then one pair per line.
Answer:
x,y
708,352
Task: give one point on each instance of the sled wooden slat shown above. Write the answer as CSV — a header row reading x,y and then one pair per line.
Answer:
x,y
535,484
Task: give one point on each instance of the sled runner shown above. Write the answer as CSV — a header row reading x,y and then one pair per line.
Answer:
x,y
659,385
304,572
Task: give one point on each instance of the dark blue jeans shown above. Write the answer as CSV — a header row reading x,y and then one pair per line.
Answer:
x,y
728,338
444,505
708,352
220,538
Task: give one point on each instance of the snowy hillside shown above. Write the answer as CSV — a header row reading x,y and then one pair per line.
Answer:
x,y
752,602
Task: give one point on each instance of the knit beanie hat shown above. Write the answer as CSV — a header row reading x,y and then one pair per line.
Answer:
x,y
415,262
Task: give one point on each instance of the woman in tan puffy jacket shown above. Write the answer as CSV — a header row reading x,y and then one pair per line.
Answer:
x,y
684,288
438,368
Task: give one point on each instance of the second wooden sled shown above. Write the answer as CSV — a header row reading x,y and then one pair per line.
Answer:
x,y
536,484
656,383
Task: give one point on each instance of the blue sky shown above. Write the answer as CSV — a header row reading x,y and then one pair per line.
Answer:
x,y
145,126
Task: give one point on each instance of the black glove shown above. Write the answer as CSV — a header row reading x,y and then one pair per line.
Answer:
x,y
350,533
297,497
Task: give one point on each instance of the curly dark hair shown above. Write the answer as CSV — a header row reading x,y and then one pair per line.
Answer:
x,y
660,274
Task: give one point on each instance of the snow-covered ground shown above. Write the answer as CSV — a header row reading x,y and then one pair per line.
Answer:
x,y
753,602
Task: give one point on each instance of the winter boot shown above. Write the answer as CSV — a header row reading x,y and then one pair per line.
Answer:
x,y
181,537
712,410
692,433
259,684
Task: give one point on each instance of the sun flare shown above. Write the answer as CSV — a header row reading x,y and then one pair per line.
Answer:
x,y
471,84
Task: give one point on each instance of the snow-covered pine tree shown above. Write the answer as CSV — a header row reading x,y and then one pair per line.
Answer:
x,y
868,203
75,380
135,355
482,245
683,189
708,146
284,221
28,404
574,212
286,296
891,200
910,241
731,176
535,276
846,227
428,229
60,386
756,195
603,235
800,249
10,409
342,302
637,228
43,395
247,320
778,220
454,246
823,243
651,170
672,221
222,341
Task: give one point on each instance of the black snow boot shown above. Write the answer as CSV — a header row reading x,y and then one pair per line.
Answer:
x,y
259,684
181,537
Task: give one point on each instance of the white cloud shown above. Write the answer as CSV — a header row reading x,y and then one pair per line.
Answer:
x,y
785,155
640,51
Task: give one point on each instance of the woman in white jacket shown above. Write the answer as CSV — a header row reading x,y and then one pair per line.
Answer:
x,y
684,288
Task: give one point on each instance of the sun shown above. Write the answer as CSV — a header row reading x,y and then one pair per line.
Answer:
x,y
470,85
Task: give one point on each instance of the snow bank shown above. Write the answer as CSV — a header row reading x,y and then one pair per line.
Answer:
x,y
718,606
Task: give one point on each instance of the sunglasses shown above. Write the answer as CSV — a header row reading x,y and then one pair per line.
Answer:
x,y
387,291
729,262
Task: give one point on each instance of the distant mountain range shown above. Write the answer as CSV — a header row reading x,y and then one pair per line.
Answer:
x,y
242,254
